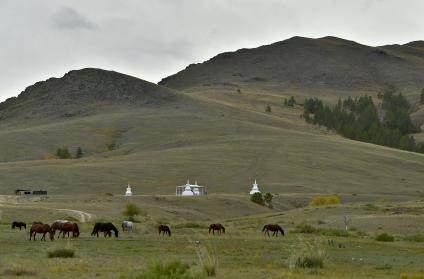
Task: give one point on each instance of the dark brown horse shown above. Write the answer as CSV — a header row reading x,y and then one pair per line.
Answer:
x,y
106,228
41,228
57,226
274,228
216,227
19,225
164,229
66,228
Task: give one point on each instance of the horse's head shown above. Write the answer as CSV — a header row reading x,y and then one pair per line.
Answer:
x,y
223,228
24,226
116,233
264,228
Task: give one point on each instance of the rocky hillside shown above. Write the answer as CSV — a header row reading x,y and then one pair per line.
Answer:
x,y
310,64
83,92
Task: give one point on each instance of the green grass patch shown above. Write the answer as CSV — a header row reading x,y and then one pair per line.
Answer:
x,y
174,269
385,237
19,271
61,253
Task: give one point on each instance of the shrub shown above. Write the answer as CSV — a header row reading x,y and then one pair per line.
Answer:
x,y
131,210
310,262
257,198
61,253
19,271
174,269
385,237
324,200
268,108
63,153
268,199
78,153
304,228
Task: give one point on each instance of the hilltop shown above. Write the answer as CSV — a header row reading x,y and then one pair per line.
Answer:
x,y
310,65
83,92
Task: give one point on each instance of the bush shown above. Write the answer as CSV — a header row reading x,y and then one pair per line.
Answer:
x,y
310,262
175,270
385,237
131,210
268,109
78,153
63,153
268,200
257,198
61,253
324,200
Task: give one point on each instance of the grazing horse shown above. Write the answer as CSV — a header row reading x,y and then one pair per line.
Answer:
x,y
41,228
18,225
216,227
106,228
66,228
164,229
127,226
57,226
274,228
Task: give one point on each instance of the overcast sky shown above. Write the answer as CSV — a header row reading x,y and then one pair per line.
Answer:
x,y
153,39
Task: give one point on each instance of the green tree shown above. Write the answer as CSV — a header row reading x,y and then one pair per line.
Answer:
x,y
268,199
131,210
63,153
78,153
257,198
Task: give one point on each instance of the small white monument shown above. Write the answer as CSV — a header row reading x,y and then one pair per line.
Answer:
x,y
255,188
128,193
187,190
190,189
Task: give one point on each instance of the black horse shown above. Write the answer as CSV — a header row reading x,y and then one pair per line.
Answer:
x,y
105,228
18,225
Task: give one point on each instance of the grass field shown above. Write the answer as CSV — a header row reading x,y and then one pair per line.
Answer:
x,y
243,252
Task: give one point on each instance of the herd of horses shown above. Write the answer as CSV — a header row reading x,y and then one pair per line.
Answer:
x,y
66,227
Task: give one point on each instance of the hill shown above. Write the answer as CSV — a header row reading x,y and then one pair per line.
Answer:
x,y
310,65
81,93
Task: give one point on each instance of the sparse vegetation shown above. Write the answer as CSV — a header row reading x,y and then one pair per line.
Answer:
x,y
415,238
324,200
61,253
268,108
78,153
18,272
385,237
307,255
268,200
174,269
208,262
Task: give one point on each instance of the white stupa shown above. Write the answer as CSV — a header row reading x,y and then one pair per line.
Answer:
x,y
196,191
187,190
128,193
255,188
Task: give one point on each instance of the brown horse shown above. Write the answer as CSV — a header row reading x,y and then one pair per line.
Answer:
x,y
216,227
164,229
274,228
66,228
41,228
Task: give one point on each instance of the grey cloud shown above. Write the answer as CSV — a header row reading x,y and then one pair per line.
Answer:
x,y
69,18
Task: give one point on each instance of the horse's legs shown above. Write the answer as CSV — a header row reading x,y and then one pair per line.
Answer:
x,y
30,235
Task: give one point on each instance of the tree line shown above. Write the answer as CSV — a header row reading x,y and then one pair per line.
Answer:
x,y
359,119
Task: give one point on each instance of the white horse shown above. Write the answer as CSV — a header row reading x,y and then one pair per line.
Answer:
x,y
127,226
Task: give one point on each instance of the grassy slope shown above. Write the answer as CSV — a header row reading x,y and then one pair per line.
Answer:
x,y
225,141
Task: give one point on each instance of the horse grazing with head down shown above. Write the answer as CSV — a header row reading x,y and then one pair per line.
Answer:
x,y
19,225
127,226
41,228
66,228
164,229
274,228
105,228
216,227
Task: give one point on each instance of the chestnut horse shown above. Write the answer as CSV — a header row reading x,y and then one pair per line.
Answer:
x,y
216,227
18,225
66,228
164,229
41,228
57,226
274,228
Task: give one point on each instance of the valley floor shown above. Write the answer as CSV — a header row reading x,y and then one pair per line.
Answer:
x,y
243,252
